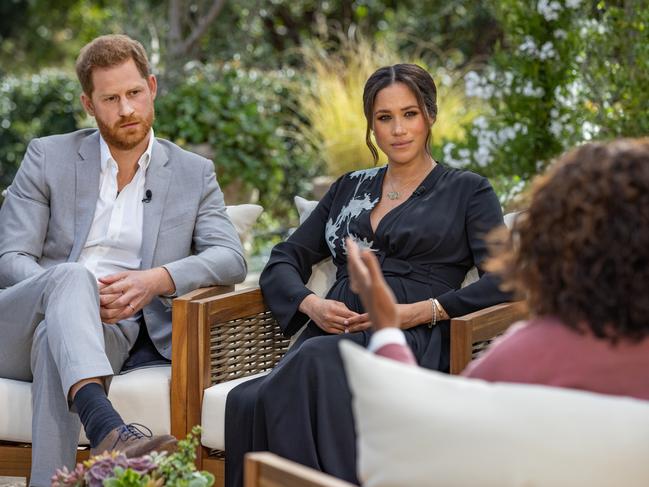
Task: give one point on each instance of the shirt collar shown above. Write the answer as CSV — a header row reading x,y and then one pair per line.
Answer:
x,y
106,156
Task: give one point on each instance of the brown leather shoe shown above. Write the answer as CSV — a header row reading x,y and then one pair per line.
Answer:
x,y
133,441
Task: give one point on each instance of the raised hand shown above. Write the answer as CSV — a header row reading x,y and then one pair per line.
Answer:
x,y
366,280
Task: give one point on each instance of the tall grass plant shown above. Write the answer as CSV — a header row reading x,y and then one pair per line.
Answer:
x,y
331,102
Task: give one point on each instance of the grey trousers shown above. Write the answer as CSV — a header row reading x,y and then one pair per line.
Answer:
x,y
51,334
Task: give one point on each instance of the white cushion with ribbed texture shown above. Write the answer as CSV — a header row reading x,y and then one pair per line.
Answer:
x,y
323,274
140,396
243,217
422,428
213,412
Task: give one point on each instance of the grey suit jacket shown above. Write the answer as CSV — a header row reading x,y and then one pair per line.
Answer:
x,y
49,208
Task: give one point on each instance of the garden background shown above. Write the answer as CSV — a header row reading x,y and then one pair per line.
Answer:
x,y
271,89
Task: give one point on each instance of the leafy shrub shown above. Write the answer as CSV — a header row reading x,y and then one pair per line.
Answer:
x,y
246,119
34,106
566,72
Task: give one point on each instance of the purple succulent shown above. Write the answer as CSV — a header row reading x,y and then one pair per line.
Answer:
x,y
142,465
65,478
103,468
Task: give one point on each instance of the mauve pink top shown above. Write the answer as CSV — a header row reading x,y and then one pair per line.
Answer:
x,y
543,351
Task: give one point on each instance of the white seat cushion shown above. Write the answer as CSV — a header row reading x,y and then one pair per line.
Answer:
x,y
213,412
418,427
141,396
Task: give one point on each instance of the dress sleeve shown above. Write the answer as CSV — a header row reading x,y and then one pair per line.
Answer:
x,y
288,269
483,214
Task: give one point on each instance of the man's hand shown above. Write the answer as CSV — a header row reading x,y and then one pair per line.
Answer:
x,y
123,294
366,280
333,316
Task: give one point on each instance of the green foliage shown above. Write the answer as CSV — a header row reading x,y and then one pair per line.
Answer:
x,y
126,478
566,72
246,119
178,469
40,33
613,56
34,106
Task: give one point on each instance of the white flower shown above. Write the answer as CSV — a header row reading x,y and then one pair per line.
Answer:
x,y
528,46
547,51
572,3
480,122
589,130
560,34
549,10
529,90
451,161
477,86
482,156
556,128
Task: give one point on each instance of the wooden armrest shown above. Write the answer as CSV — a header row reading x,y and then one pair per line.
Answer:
x,y
204,292
184,327
264,469
479,326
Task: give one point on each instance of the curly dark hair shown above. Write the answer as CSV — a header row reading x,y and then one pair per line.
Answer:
x,y
581,250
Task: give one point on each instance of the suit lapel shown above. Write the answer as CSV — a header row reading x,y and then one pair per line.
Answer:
x,y
158,178
87,169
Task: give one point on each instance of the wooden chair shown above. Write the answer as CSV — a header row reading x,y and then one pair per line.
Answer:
x,y
237,336
264,469
15,458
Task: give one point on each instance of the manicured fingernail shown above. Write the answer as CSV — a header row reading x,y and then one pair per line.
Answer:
x,y
346,323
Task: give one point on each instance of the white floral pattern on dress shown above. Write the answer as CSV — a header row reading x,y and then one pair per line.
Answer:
x,y
353,209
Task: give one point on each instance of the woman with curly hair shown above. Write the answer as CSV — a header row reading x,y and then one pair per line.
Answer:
x,y
580,257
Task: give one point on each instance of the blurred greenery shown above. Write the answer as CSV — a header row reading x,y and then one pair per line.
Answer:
x,y
271,89
247,119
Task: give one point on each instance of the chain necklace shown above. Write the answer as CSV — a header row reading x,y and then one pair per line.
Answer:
x,y
394,194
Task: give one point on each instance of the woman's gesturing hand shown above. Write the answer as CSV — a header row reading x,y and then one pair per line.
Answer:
x,y
333,316
367,281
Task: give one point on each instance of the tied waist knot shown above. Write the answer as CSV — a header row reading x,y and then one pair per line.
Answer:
x,y
393,267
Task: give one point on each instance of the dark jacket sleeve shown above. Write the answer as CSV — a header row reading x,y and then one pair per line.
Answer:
x,y
283,279
483,214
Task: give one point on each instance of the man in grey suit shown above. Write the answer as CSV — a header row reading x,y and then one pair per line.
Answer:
x,y
99,229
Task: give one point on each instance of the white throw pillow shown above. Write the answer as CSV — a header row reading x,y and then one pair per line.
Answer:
x,y
323,274
243,217
418,427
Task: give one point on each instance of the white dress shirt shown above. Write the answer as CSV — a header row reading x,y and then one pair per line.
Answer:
x,y
115,238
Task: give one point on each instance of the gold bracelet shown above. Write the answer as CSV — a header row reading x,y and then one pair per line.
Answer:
x,y
433,306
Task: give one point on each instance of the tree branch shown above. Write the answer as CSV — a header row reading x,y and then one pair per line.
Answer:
x,y
197,33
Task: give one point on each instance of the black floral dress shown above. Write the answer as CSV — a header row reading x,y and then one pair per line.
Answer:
x,y
426,245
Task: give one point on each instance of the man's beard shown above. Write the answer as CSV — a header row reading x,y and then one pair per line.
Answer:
x,y
126,139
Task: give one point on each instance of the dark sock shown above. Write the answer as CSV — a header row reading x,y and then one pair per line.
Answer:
x,y
96,412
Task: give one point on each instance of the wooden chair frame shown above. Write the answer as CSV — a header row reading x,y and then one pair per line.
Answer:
x,y
15,458
264,469
237,336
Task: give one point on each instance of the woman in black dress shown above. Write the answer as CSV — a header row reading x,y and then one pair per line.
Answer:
x,y
425,222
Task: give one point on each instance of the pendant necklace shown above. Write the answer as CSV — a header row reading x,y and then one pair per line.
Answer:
x,y
394,194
